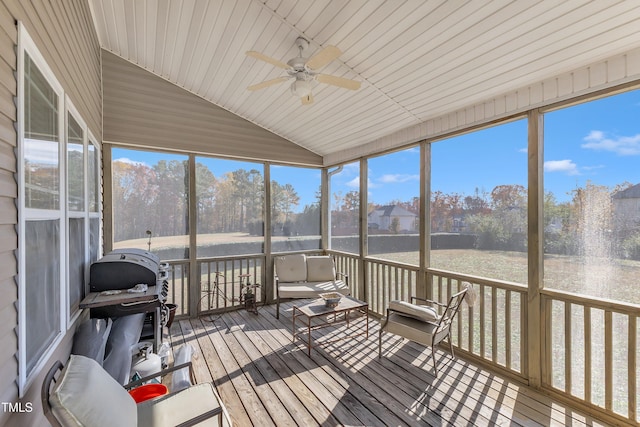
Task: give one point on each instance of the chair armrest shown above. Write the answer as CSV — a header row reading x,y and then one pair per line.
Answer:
x,y
276,283
428,301
196,420
161,373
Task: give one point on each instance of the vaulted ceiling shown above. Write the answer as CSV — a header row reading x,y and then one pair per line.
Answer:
x,y
416,59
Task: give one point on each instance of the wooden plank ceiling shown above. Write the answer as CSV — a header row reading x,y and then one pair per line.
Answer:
x,y
416,59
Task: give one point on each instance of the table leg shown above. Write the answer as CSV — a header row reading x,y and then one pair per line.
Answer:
x,y
293,328
309,338
366,309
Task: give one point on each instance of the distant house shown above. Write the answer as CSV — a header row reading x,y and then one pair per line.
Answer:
x,y
626,208
383,218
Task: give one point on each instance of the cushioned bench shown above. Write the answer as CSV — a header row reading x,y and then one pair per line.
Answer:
x,y
301,276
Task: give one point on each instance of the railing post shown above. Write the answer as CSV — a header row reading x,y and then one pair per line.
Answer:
x,y
535,329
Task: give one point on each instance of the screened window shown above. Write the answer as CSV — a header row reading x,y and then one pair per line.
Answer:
x,y
150,202
592,198
479,203
230,204
295,208
393,211
344,204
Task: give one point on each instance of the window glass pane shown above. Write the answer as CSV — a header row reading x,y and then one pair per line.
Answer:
x,y
93,178
75,165
150,202
344,184
41,105
592,198
42,287
295,208
76,260
479,203
41,140
94,239
230,201
393,211
42,174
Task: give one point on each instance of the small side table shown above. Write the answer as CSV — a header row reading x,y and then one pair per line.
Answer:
x,y
316,308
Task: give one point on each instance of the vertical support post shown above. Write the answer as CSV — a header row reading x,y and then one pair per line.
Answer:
x,y
325,214
364,235
266,215
423,290
107,203
192,229
535,330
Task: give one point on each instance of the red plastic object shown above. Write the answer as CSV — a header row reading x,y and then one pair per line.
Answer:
x,y
148,391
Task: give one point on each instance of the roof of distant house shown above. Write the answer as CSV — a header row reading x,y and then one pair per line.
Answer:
x,y
632,192
394,210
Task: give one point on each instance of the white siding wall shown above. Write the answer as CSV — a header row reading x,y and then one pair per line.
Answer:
x,y
64,34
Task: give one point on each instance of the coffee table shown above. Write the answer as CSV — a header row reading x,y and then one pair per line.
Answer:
x,y
317,308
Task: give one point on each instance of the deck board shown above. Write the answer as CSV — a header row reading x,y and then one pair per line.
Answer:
x,y
264,378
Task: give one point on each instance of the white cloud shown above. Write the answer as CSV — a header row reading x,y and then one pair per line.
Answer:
x,y
523,150
398,178
354,183
130,162
565,166
621,145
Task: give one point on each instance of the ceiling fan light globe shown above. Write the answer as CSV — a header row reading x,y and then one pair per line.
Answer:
x,y
300,88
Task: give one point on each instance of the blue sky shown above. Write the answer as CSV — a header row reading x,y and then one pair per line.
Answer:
x,y
597,141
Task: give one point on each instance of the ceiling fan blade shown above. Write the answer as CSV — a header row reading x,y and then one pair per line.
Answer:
x,y
323,57
265,58
338,81
268,83
307,99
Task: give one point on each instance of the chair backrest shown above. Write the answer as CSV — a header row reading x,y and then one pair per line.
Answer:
x,y
444,324
86,395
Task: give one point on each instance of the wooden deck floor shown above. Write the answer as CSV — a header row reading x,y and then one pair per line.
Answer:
x,y
265,379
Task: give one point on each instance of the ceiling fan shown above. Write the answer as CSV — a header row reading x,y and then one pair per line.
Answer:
x,y
302,71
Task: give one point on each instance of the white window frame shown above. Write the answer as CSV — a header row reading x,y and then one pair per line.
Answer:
x,y
91,140
27,45
71,110
65,107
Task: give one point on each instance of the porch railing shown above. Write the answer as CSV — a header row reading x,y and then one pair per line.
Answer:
x,y
493,328
590,348
592,351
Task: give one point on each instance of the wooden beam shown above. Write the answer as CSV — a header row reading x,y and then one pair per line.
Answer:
x,y
364,235
535,330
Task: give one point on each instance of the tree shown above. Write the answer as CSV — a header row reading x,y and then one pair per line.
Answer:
x,y
394,227
283,199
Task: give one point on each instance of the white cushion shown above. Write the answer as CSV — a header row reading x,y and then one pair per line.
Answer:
x,y
311,289
420,312
87,395
176,408
291,268
320,268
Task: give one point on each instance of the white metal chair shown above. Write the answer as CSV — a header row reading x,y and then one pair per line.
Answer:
x,y
422,323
